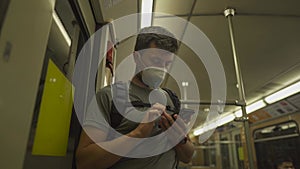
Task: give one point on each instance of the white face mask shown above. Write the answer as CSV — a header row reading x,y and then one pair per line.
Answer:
x,y
151,75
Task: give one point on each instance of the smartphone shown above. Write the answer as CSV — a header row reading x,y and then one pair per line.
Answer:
x,y
186,114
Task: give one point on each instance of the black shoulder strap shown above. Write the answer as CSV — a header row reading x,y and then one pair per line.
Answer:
x,y
119,95
115,116
174,99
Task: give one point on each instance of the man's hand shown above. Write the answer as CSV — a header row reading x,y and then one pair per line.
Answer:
x,y
145,128
175,134
177,130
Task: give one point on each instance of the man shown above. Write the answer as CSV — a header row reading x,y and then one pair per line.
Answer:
x,y
284,163
153,56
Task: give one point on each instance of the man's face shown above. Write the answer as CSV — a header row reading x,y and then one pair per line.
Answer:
x,y
155,57
286,165
152,64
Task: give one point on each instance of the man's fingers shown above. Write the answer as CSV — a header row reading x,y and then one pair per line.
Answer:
x,y
161,124
158,106
175,130
168,117
165,122
151,115
178,126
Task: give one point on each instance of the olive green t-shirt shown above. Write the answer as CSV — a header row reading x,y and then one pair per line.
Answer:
x,y
166,160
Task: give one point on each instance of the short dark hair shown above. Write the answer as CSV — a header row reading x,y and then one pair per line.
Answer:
x,y
280,160
161,37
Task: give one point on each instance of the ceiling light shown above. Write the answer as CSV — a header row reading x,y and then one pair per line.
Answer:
x,y
281,94
255,106
284,127
146,18
238,113
204,128
198,131
251,108
213,124
184,84
225,119
61,27
267,130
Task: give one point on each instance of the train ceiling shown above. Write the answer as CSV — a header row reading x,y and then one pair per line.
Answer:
x,y
266,33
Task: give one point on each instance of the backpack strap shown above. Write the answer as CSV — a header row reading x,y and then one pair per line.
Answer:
x,y
115,117
120,98
175,100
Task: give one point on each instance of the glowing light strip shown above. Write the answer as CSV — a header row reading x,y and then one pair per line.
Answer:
x,y
251,108
286,92
61,28
281,94
238,113
255,106
146,18
213,124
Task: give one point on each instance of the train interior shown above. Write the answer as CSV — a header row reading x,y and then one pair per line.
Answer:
x,y
240,74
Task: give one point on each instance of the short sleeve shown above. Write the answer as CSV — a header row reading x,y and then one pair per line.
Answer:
x,y
99,116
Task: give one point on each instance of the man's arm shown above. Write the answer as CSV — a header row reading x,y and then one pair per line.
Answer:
x,y
90,155
184,151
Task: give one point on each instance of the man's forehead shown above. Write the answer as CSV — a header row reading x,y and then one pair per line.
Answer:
x,y
287,164
156,51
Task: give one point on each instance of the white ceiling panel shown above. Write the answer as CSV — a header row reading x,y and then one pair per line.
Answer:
x,y
266,33
290,7
268,48
174,7
175,25
215,28
192,61
114,9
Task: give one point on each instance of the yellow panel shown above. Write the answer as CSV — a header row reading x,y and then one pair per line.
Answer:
x,y
53,125
241,153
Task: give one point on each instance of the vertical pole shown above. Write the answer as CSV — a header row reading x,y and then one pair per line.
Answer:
x,y
102,53
229,13
73,50
184,95
71,65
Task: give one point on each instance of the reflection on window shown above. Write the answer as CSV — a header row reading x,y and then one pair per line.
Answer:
x,y
239,151
278,131
277,142
205,155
